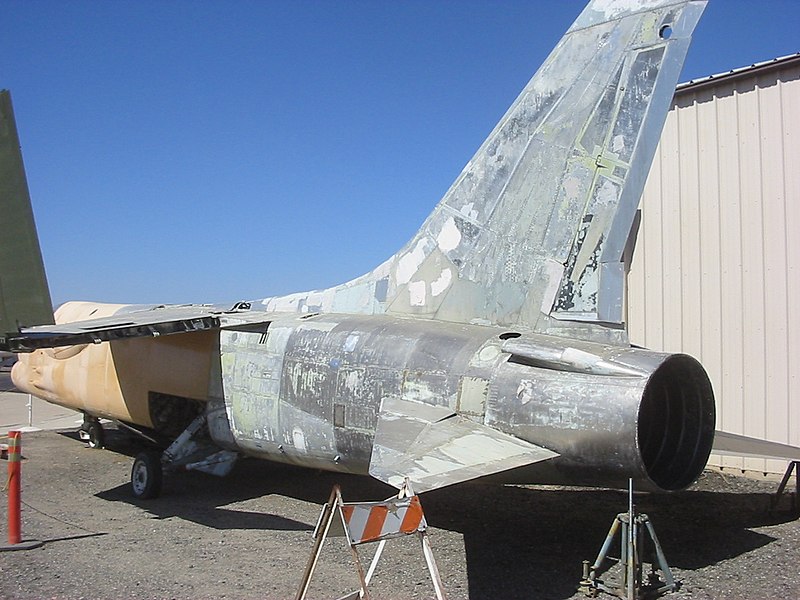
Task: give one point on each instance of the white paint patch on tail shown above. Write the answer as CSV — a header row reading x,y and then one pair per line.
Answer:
x,y
416,293
442,283
449,237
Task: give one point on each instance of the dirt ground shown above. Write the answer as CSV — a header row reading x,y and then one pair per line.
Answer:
x,y
249,535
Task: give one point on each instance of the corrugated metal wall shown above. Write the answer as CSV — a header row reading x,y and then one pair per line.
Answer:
x,y
715,270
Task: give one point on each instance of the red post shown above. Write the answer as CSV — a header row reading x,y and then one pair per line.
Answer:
x,y
14,487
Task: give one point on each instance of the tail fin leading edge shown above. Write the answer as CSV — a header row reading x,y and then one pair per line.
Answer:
x,y
532,233
24,295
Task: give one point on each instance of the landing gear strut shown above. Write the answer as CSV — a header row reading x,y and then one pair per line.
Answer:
x,y
92,432
192,450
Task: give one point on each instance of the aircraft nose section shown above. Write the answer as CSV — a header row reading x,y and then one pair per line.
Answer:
x,y
19,374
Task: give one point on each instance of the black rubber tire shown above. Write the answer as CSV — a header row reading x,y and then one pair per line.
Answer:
x,y
146,475
97,435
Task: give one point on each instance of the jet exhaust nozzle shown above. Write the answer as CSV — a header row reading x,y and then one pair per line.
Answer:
x,y
675,426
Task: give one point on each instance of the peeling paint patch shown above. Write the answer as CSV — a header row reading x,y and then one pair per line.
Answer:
x,y
410,262
381,289
299,439
350,342
449,237
554,271
416,293
468,210
353,298
525,391
352,381
472,395
614,8
419,391
442,283
607,194
572,187
618,143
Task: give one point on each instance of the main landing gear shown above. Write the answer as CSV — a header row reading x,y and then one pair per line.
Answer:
x,y
192,450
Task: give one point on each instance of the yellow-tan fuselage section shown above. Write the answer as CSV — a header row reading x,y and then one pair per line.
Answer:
x,y
114,380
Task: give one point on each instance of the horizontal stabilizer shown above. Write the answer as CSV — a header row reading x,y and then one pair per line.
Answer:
x,y
732,444
434,447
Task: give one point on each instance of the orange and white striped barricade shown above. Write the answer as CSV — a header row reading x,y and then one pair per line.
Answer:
x,y
365,522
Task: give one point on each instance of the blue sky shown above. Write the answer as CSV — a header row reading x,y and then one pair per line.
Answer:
x,y
207,151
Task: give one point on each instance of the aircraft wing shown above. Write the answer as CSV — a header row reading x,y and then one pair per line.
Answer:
x,y
151,322
732,444
434,447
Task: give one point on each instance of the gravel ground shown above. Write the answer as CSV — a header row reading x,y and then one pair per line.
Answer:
x,y
249,535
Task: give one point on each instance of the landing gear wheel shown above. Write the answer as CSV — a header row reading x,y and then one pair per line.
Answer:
x,y
146,475
97,435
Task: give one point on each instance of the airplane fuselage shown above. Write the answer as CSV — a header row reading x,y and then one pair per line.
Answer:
x,y
307,389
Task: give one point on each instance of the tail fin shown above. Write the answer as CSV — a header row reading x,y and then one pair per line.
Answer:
x,y
24,296
532,233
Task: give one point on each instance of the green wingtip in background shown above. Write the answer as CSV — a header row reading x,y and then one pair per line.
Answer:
x,y
24,295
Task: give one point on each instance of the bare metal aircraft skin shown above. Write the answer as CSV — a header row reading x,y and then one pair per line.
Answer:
x,y
492,345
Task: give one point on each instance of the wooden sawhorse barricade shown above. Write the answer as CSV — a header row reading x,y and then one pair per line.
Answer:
x,y
365,522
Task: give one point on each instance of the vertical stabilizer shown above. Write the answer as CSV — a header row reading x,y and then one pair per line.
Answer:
x,y
531,235
24,296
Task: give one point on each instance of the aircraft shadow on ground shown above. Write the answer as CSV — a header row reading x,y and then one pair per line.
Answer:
x,y
516,539
202,497
519,540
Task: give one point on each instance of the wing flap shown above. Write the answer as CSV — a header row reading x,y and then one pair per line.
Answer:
x,y
733,444
434,447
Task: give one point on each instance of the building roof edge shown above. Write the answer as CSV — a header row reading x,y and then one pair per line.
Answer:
x,y
780,62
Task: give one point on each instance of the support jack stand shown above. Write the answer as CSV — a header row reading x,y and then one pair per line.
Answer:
x,y
638,545
795,506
